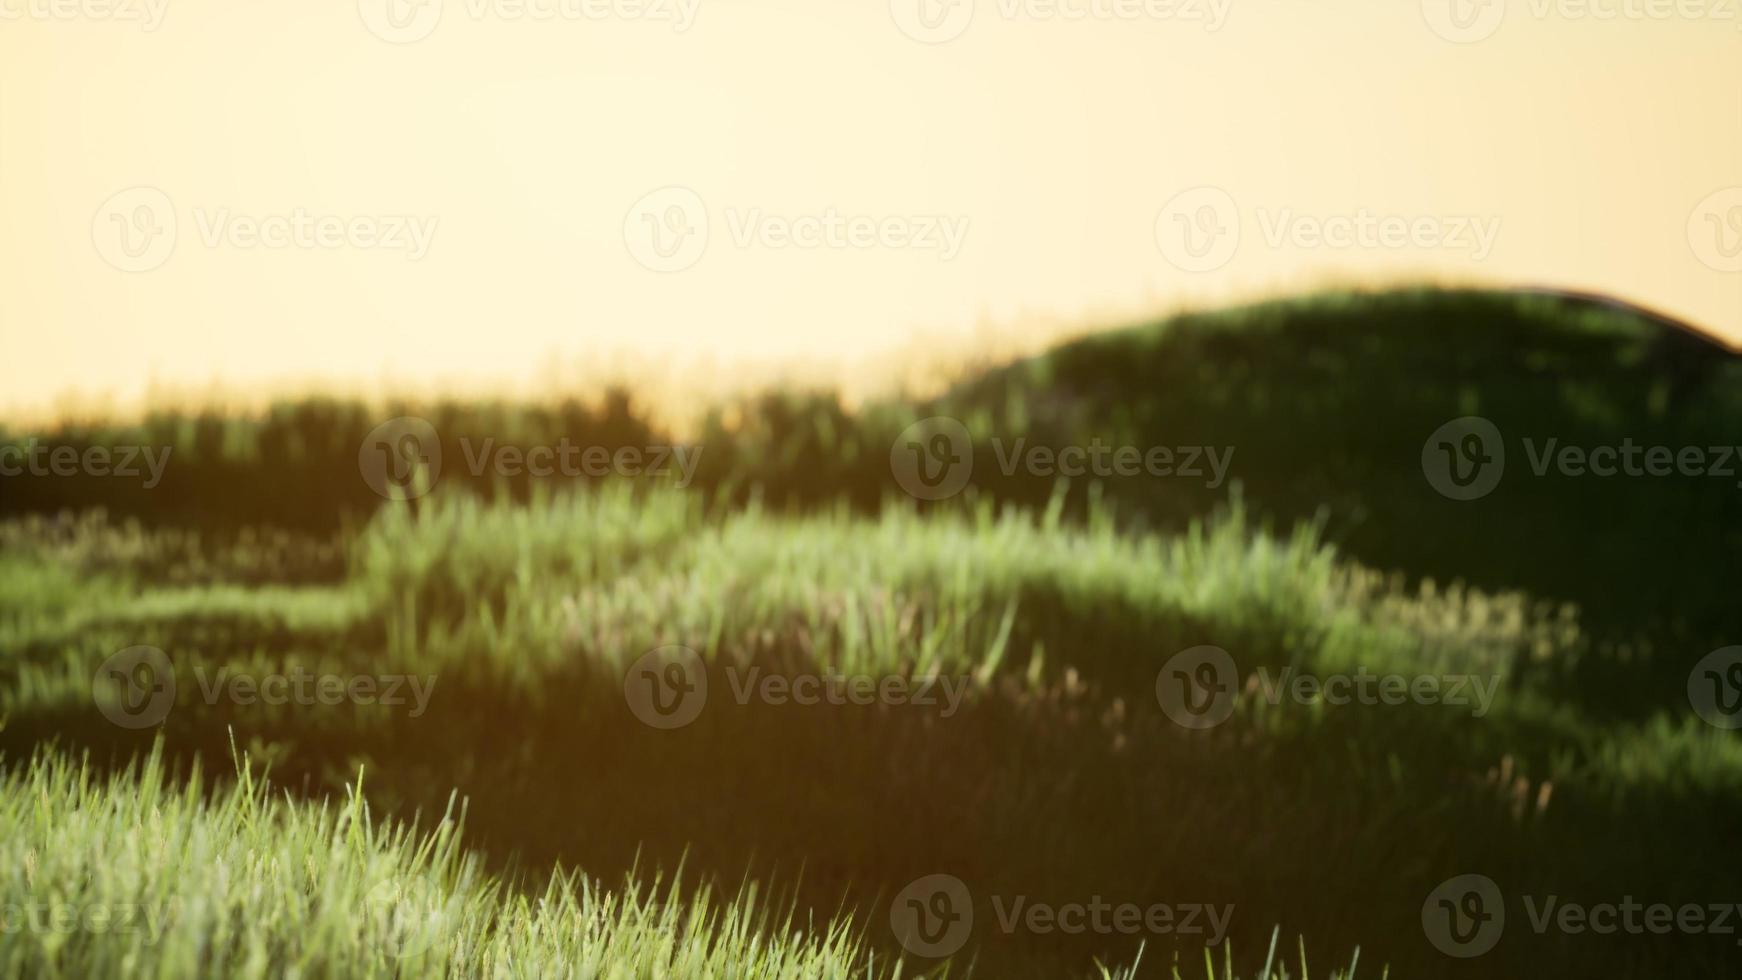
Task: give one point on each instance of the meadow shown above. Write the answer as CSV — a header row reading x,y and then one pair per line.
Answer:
x,y
427,736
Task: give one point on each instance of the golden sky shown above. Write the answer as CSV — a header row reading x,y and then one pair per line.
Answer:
x,y
419,191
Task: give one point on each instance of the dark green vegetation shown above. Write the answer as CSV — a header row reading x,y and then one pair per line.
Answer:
x,y
1058,777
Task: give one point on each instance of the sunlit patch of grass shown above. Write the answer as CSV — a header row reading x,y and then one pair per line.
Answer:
x,y
144,876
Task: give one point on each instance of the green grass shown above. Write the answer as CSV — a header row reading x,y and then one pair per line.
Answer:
x,y
142,876
1326,399
1048,607
525,616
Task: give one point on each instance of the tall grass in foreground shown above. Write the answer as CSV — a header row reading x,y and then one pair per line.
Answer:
x,y
1076,782
143,876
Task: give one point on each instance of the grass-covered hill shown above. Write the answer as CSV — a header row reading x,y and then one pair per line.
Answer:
x,y
1319,408
1040,617
1328,403
1325,402
1043,765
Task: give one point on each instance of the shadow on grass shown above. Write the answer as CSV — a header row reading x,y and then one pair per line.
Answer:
x,y
1068,793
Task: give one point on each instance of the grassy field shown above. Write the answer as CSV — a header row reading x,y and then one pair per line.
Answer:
x,y
727,729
